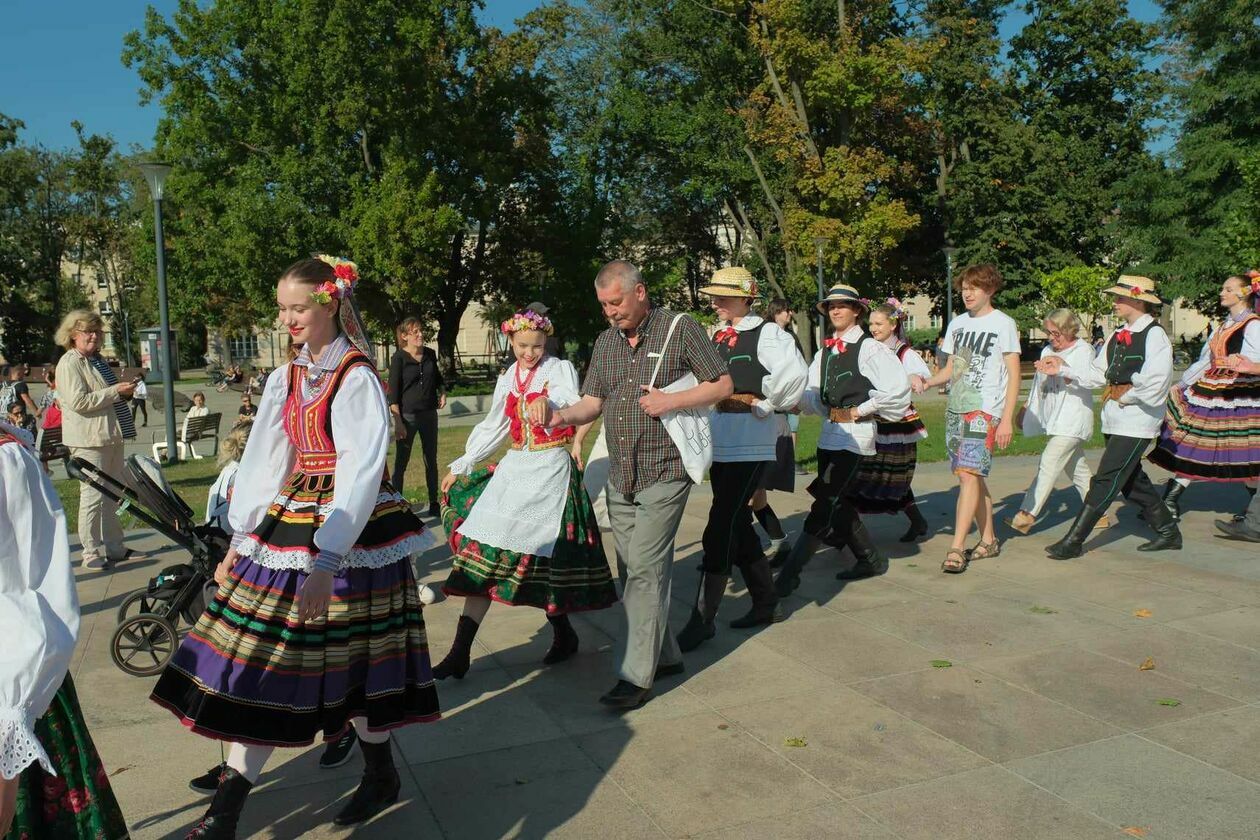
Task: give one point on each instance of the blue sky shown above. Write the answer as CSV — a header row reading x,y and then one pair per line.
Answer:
x,y
59,61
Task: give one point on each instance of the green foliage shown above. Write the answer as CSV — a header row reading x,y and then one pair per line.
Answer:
x,y
1078,288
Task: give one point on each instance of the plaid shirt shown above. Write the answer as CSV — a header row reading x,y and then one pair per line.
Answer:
x,y
640,450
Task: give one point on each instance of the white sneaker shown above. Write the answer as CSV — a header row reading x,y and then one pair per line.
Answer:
x,y
427,595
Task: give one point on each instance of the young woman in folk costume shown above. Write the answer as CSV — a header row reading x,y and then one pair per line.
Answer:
x,y
317,624
523,531
1211,428
883,481
52,784
769,376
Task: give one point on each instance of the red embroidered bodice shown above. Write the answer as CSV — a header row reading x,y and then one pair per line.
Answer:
x,y
308,420
526,435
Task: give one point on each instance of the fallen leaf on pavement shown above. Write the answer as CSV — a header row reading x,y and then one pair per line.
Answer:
x,y
942,663
723,726
1168,701
1143,613
1148,664
794,742
1134,831
1042,610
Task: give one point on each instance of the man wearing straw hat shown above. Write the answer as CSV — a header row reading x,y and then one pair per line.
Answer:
x,y
853,379
648,483
769,375
1135,370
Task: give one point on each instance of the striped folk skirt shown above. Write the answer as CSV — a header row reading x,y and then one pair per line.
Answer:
x,y
77,803
882,484
574,578
251,671
1211,429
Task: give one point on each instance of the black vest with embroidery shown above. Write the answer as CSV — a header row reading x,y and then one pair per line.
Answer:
x,y
747,371
1124,360
843,385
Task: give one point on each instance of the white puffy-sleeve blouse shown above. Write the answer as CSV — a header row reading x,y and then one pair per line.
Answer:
x,y
39,608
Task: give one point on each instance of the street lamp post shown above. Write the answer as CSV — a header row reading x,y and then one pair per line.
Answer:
x,y
155,174
819,242
949,250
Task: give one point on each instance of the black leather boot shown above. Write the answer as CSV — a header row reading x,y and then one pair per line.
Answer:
x,y
1172,493
765,603
378,788
870,562
918,525
1073,545
564,640
457,660
790,575
219,821
1167,535
700,627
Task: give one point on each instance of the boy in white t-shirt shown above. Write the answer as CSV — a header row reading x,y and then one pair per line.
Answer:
x,y
983,372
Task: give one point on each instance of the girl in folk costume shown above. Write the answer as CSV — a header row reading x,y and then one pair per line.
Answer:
x,y
769,376
1135,370
317,624
52,784
1063,411
523,531
1211,425
853,380
883,480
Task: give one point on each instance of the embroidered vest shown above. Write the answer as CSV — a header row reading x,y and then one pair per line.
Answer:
x,y
526,435
843,385
1229,340
1124,360
740,354
308,420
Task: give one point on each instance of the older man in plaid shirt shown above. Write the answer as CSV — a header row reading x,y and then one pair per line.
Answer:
x,y
648,484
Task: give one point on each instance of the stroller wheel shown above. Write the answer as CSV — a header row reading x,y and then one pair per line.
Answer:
x,y
137,602
143,644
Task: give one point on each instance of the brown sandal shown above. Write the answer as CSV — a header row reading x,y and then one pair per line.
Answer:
x,y
990,549
955,562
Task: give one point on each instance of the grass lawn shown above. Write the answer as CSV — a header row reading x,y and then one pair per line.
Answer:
x,y
192,479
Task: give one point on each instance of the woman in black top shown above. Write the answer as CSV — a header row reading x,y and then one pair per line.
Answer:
x,y
416,392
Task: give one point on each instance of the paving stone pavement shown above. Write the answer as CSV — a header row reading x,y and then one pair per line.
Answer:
x,y
1042,725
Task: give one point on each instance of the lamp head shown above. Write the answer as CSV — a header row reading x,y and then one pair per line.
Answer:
x,y
155,175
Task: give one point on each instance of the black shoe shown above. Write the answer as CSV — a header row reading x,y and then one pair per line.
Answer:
x,y
790,575
338,752
219,821
758,617
1073,544
435,510
1167,535
1237,530
669,670
1172,493
700,627
759,580
918,525
564,640
378,789
625,696
458,659
126,555
696,632
870,562
208,783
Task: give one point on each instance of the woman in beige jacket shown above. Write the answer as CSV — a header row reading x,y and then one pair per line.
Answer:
x,y
93,405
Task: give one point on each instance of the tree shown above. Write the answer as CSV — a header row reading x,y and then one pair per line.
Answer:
x,y
1077,287
399,133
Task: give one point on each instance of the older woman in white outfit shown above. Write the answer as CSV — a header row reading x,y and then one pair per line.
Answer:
x,y
1063,411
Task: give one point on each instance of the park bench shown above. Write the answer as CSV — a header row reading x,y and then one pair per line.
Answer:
x,y
50,446
197,428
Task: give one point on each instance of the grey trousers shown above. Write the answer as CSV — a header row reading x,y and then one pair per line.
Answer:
x,y
644,525
1252,519
99,529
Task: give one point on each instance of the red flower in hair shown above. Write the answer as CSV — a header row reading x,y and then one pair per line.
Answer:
x,y
345,271
1254,277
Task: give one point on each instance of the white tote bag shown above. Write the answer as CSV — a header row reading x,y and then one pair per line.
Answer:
x,y
688,427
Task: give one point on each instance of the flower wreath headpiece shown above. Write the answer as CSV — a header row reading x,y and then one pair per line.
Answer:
x,y
527,320
346,275
1254,277
898,308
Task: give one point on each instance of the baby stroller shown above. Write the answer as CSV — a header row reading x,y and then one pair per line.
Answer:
x,y
151,620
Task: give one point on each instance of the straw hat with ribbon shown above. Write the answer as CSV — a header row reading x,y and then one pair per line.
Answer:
x,y
846,294
732,282
1136,287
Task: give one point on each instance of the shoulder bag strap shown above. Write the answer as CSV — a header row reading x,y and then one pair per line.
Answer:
x,y
668,335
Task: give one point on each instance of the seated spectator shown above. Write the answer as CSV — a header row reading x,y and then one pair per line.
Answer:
x,y
247,409
17,416
230,452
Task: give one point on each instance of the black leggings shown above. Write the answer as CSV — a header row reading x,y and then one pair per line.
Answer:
x,y
832,517
1120,471
426,423
140,407
729,538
